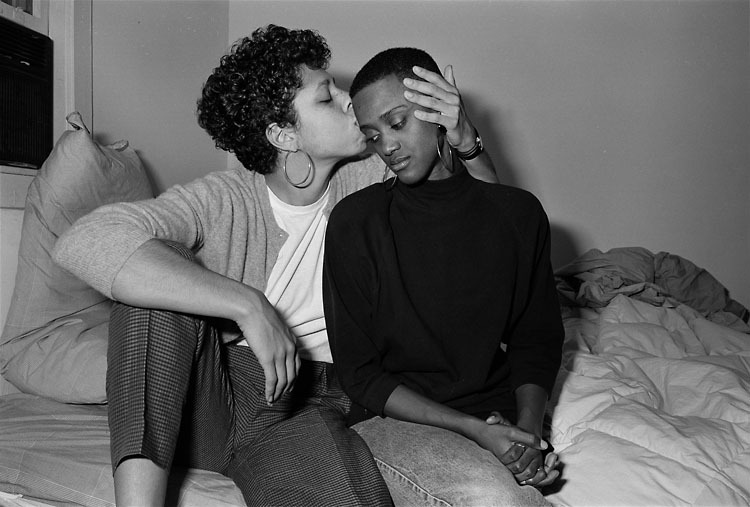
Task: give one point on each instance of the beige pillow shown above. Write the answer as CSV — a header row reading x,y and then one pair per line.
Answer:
x,y
55,339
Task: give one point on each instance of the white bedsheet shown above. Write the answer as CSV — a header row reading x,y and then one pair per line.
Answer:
x,y
652,407
58,454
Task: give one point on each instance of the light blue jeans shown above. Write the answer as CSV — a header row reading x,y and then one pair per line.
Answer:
x,y
424,465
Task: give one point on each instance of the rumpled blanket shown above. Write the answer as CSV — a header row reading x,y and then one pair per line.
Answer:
x,y
651,408
663,279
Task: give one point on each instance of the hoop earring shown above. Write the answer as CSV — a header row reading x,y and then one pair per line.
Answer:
x,y
385,178
450,155
308,177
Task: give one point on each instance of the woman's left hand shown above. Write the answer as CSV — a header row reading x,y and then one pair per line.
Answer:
x,y
532,468
439,94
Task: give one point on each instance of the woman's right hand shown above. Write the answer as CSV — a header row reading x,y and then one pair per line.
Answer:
x,y
157,276
273,344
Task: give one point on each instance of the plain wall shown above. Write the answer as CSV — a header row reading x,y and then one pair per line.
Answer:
x,y
150,59
629,120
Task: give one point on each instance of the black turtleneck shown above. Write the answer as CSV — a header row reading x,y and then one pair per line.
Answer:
x,y
422,285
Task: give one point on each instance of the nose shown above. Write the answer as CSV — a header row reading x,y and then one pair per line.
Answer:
x,y
390,145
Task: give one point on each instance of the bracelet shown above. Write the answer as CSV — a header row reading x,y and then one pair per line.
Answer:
x,y
474,152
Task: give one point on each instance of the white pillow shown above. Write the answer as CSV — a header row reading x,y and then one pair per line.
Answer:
x,y
54,343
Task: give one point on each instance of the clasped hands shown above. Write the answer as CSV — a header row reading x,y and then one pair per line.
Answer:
x,y
522,453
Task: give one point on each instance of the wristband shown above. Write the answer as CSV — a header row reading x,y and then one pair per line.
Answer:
x,y
474,152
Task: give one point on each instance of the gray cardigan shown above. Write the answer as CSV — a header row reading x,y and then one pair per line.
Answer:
x,y
225,218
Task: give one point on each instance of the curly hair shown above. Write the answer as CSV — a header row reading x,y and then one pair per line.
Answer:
x,y
393,61
254,86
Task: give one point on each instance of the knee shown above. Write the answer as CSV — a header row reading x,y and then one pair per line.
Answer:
x,y
501,492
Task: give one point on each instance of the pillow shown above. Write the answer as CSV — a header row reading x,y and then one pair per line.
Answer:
x,y
54,343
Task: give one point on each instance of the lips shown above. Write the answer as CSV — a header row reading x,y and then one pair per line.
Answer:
x,y
399,163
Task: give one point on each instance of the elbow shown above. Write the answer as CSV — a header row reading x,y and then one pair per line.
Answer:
x,y
61,250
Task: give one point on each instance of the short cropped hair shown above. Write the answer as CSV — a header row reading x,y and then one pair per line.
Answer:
x,y
393,61
254,86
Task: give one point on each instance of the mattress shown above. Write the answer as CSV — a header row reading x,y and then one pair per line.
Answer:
x,y
651,407
53,453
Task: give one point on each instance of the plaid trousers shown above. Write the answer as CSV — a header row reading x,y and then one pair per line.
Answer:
x,y
178,395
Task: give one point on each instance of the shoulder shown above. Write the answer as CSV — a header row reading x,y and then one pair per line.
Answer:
x,y
360,204
230,183
357,174
513,197
228,178
519,208
512,201
358,212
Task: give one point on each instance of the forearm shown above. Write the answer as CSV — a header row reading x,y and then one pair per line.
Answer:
x,y
408,405
531,401
482,168
157,276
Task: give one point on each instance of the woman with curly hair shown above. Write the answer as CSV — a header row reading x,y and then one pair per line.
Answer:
x,y
219,355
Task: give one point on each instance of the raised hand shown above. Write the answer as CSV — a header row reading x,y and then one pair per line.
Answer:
x,y
440,94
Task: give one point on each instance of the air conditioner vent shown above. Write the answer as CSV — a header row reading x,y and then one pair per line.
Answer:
x,y
25,95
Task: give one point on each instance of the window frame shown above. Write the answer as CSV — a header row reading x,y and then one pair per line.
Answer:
x,y
38,21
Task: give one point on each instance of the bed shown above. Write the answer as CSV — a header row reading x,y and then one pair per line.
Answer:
x,y
652,402
651,405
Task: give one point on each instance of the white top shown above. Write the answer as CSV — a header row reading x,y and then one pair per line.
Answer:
x,y
294,286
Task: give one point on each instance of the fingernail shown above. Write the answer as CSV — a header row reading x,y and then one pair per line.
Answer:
x,y
409,95
408,81
543,444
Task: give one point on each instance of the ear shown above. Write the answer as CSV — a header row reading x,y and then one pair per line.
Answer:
x,y
283,138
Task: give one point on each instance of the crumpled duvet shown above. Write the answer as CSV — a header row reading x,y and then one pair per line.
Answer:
x,y
596,277
651,407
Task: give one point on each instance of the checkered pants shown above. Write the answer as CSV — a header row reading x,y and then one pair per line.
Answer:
x,y
178,395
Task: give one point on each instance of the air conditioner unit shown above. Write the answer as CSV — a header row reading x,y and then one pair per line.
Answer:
x,y
25,96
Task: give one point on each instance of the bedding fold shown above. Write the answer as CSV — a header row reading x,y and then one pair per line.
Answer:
x,y
660,395
596,277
